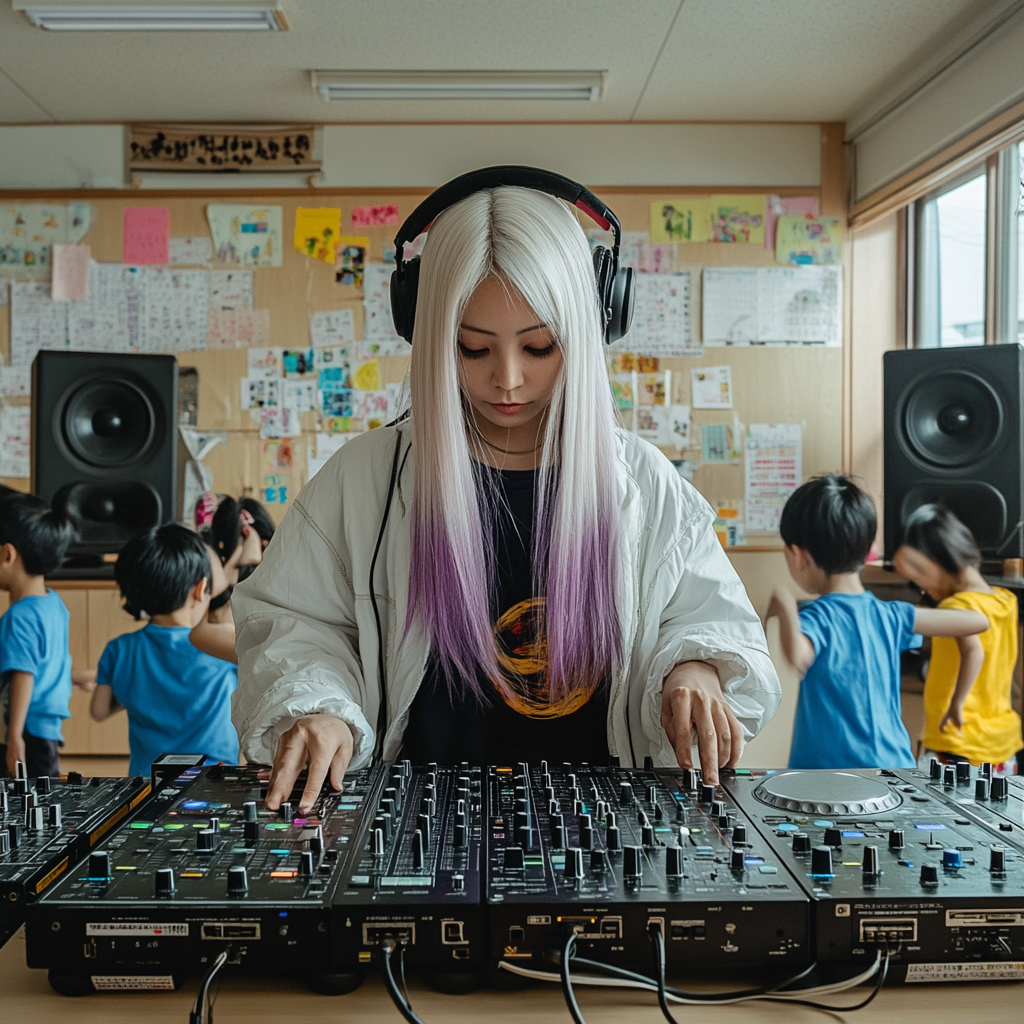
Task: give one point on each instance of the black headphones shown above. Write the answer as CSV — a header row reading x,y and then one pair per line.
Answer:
x,y
615,284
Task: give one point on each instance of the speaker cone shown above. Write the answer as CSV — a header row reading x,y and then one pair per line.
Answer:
x,y
977,504
108,421
950,418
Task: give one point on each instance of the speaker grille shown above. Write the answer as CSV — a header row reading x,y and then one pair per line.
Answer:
x,y
950,419
108,422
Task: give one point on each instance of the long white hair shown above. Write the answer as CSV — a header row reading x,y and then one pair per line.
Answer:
x,y
532,243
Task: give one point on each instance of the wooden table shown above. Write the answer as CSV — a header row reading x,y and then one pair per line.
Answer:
x,y
26,998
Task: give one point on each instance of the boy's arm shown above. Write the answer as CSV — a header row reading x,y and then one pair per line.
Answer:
x,y
103,703
21,697
799,651
948,622
216,639
972,657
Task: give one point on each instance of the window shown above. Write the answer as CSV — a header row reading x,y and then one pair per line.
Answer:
x,y
951,251
1017,228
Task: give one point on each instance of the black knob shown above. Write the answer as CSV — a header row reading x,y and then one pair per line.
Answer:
x,y
3,797
389,807
43,785
316,840
520,820
801,842
658,814
287,812
423,824
214,826
514,860
613,840
674,862
986,769
20,787
999,788
524,837
427,807
724,822
391,793
28,801
250,831
250,811
736,861
418,850
461,836
586,836
707,794
647,835
204,840
573,862
597,862
642,819
13,835
5,841
238,881
869,865
833,837
36,819
690,779
99,865
163,882
935,769
949,775
614,761
601,811
625,793
821,860
75,778
997,860
307,862
632,862
651,794
458,883
963,771
929,874
981,788
377,841
896,839
739,834
648,763
717,808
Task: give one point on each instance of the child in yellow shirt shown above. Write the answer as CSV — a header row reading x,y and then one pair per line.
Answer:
x,y
968,714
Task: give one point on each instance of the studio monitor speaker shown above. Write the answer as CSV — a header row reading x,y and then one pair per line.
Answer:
x,y
104,442
953,434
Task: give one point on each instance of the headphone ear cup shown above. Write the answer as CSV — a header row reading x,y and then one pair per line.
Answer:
x,y
604,261
404,288
623,295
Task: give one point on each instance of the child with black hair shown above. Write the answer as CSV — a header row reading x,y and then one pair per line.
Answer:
x,y
968,711
177,697
35,661
846,645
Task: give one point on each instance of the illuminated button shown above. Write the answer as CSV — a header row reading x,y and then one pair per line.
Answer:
x,y
141,824
284,874
929,826
787,827
822,823
281,853
191,874
174,827
194,805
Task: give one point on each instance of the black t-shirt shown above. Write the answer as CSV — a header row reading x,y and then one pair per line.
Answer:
x,y
524,726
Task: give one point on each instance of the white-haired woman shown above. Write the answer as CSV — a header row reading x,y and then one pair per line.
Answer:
x,y
544,584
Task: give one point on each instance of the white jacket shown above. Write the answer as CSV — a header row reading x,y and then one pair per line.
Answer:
x,y
307,638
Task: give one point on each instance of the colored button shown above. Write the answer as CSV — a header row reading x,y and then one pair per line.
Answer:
x,y
768,869
852,834
930,826
822,823
194,805
281,853
786,827
191,874
283,874
753,860
174,827
140,824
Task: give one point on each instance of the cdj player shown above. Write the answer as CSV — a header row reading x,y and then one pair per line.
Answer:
x,y
891,860
48,824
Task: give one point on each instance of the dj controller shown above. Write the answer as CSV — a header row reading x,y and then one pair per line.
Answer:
x,y
47,825
466,870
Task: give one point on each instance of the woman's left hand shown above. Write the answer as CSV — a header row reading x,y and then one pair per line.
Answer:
x,y
692,702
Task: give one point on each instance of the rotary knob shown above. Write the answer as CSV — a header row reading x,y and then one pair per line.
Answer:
x,y
647,835
377,842
99,865
739,834
951,860
613,839
949,775
690,779
204,840
717,808
251,831
75,779
5,841
896,839
316,840
981,789
737,861
869,865
821,861
801,842
597,862
935,769
513,858
963,771
306,864
238,881
35,819
286,812
833,837
163,883
929,874
997,860
707,794
625,793
392,794
573,862
250,811
632,862
43,785
985,769
674,862
999,788
13,835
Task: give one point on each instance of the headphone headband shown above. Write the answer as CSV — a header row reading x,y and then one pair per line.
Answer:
x,y
486,178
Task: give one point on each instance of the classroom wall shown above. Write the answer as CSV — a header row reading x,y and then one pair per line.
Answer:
x,y
986,81
424,156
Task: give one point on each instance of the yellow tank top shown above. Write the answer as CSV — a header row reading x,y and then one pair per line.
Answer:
x,y
991,730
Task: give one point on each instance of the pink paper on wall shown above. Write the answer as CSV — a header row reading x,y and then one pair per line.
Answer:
x,y
374,216
147,234
70,273
794,206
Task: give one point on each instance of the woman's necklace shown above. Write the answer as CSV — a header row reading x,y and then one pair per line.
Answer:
x,y
506,451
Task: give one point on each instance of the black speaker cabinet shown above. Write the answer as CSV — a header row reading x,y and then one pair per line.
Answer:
x,y
104,442
953,434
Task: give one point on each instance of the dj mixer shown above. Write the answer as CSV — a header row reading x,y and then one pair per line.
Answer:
x,y
610,852
48,824
891,861
203,866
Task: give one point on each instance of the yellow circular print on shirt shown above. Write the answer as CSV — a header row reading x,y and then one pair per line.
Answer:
x,y
523,656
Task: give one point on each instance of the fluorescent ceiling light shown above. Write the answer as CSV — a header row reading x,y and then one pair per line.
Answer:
x,y
459,85
166,17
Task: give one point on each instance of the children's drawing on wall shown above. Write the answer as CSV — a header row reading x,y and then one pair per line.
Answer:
x,y
317,231
680,220
246,236
375,216
738,219
350,260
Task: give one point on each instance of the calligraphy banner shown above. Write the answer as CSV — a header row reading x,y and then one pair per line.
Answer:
x,y
157,148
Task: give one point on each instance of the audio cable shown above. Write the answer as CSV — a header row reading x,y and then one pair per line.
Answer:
x,y
401,1002
566,976
202,1012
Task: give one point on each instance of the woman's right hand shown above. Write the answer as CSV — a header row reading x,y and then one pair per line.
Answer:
x,y
323,743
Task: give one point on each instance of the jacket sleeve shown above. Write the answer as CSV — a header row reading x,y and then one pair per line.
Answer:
x,y
296,635
707,617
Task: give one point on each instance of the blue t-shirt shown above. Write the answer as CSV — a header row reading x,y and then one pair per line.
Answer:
x,y
848,714
34,639
178,699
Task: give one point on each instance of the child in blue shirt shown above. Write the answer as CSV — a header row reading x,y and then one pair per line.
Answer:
x,y
178,699
35,662
846,645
